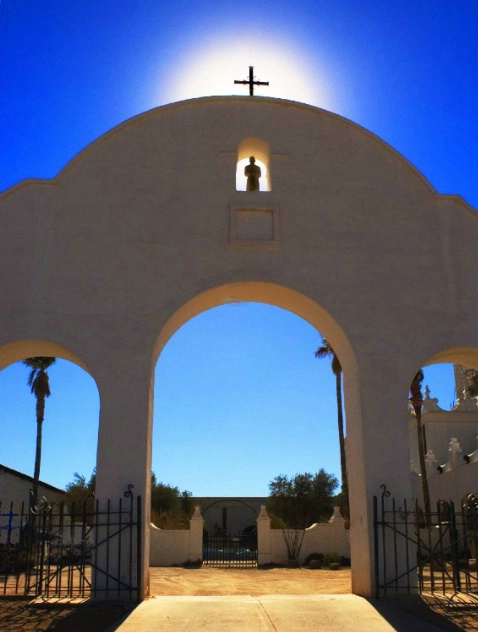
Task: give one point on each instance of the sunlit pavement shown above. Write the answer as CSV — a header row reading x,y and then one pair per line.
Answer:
x,y
277,613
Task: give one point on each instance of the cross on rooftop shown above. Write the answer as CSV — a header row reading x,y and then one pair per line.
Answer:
x,y
251,81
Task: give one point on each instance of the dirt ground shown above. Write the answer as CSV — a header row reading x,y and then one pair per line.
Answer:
x,y
254,582
18,615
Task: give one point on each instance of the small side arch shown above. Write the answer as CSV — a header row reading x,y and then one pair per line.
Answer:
x,y
21,349
466,356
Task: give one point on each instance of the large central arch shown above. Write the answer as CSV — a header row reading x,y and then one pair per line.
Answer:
x,y
145,228
318,317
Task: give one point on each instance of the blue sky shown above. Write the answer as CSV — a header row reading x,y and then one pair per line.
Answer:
x,y
70,71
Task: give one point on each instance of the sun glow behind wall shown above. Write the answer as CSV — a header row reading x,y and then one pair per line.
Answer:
x,y
210,68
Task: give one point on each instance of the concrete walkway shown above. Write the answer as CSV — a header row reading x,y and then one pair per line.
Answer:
x,y
275,613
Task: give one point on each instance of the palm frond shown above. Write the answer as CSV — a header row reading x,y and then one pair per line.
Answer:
x,y
325,351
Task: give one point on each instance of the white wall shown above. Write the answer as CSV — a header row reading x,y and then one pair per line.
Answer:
x,y
174,547
323,537
16,488
458,478
168,547
451,485
15,498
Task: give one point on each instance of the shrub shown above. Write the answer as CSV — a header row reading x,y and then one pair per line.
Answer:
x,y
314,556
191,564
332,558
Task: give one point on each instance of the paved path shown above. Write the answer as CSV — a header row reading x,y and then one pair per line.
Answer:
x,y
274,613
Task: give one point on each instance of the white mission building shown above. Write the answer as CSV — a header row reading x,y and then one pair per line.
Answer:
x,y
451,443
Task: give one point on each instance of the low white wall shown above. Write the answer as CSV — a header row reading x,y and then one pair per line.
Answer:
x,y
323,537
326,538
173,547
168,547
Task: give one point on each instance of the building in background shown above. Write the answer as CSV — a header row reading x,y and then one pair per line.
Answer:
x,y
15,488
451,444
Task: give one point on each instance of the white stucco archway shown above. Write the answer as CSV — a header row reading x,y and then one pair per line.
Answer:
x,y
466,356
145,228
315,315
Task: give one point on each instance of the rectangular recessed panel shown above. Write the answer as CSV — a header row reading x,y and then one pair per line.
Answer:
x,y
255,225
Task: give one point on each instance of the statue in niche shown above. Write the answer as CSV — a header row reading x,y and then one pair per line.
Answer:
x,y
252,173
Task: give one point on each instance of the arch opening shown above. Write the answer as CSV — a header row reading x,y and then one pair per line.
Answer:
x,y
443,429
234,411
71,421
243,380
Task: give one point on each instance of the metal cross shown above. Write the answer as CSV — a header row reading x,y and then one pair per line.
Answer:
x,y
251,81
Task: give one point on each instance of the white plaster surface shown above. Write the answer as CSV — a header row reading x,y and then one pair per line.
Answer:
x,y
319,538
168,547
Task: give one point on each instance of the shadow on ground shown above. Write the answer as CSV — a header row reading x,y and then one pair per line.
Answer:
x,y
19,615
449,615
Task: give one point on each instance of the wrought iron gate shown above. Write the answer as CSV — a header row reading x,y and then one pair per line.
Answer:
x,y
226,550
55,551
415,554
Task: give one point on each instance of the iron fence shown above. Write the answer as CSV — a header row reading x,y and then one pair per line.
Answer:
x,y
226,550
434,554
52,550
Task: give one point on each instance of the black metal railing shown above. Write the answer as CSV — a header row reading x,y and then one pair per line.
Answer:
x,y
416,553
226,550
52,550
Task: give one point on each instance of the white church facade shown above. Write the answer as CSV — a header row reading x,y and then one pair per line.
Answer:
x,y
451,445
145,228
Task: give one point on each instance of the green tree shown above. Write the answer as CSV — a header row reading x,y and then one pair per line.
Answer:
x,y
326,351
416,399
80,492
170,507
300,501
39,384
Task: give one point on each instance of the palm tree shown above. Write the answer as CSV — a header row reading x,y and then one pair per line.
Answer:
x,y
39,383
326,351
416,399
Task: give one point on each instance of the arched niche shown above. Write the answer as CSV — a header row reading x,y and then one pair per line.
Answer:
x,y
260,150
